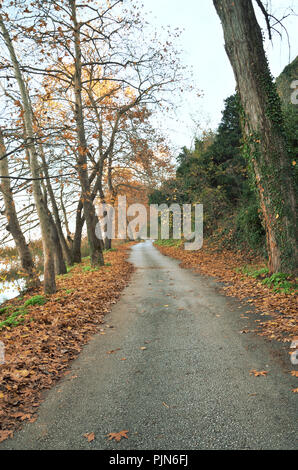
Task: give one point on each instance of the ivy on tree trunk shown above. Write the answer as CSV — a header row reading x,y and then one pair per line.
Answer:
x,y
264,136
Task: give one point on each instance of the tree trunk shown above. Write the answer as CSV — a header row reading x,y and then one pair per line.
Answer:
x,y
62,241
265,140
95,244
13,226
77,239
60,266
48,247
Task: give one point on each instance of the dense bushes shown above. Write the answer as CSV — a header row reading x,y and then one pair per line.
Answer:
x,y
214,174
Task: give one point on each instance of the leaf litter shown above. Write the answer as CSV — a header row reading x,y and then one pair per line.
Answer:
x,y
39,351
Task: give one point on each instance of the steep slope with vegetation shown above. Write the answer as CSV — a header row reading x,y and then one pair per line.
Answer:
x,y
216,173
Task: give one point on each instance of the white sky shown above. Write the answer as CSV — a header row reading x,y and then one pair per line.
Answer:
x,y
203,43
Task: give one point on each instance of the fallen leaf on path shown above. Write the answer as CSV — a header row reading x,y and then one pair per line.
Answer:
x,y
261,373
5,435
117,436
73,377
295,390
123,359
25,416
90,436
113,351
294,373
164,404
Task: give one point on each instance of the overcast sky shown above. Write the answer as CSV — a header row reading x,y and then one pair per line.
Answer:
x,y
203,45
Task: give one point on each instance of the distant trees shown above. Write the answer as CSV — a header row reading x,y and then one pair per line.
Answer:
x,y
13,225
40,203
263,125
214,173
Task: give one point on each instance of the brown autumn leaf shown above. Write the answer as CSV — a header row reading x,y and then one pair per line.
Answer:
x,y
22,416
113,351
117,436
90,436
25,416
295,390
261,373
294,373
20,374
5,434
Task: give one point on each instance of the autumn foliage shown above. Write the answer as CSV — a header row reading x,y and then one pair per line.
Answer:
x,y
38,351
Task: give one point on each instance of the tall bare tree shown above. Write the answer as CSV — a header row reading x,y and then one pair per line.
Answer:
x,y
13,225
265,139
45,222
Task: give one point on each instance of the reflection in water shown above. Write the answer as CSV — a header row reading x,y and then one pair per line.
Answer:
x,y
11,289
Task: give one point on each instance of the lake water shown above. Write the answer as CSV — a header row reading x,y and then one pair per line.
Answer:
x,y
11,289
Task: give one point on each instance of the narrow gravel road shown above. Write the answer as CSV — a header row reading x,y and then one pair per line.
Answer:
x,y
189,389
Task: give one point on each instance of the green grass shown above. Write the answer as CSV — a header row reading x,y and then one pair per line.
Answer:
x,y
68,274
90,269
14,316
35,300
253,272
169,242
3,310
69,291
109,250
278,282
281,282
87,269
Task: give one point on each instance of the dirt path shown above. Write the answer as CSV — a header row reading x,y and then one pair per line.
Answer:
x,y
189,389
